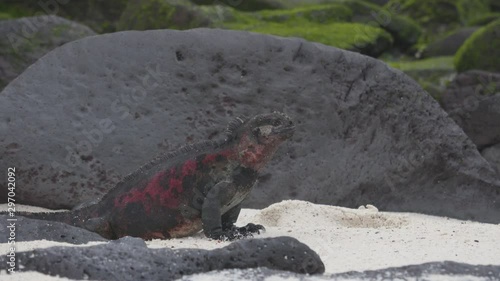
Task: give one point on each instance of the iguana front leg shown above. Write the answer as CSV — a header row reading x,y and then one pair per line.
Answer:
x,y
217,226
230,217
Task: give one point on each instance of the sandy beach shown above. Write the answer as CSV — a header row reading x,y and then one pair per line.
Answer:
x,y
346,239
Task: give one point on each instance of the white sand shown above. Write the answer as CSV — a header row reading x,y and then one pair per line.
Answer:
x,y
347,239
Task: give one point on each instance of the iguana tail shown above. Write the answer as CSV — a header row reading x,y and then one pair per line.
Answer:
x,y
84,218
65,217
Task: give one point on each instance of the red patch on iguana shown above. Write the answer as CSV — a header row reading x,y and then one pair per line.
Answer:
x,y
188,168
209,159
155,190
253,155
185,227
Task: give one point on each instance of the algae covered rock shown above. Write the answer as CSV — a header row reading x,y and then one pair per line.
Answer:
x,y
99,15
246,5
448,45
325,13
324,23
484,19
362,38
160,14
481,50
436,13
404,30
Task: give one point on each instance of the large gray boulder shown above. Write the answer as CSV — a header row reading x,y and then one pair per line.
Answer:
x,y
25,40
96,109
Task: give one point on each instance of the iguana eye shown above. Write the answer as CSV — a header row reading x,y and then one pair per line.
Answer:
x,y
256,132
277,123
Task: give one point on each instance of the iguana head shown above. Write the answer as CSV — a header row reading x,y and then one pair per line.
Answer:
x,y
258,138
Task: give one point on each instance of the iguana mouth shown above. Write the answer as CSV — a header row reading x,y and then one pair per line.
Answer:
x,y
287,131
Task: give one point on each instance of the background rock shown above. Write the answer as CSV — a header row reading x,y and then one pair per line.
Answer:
x,y
99,15
31,230
404,30
484,19
448,45
481,50
492,154
28,39
118,260
366,134
246,5
473,101
327,23
158,14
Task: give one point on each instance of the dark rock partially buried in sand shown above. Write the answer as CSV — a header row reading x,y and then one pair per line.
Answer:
x,y
427,271
94,110
31,230
129,259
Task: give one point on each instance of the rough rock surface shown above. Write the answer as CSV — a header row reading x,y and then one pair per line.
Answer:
x,y
31,230
448,45
130,259
427,271
492,154
25,40
473,100
94,110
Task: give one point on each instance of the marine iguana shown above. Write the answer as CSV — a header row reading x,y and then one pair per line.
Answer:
x,y
196,187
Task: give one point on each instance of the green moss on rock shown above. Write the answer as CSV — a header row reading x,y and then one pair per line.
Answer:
x,y
481,50
5,16
351,36
313,13
469,10
13,9
99,15
245,5
439,17
437,63
484,19
404,30
160,14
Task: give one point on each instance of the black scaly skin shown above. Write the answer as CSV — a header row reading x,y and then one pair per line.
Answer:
x,y
197,187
